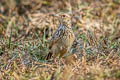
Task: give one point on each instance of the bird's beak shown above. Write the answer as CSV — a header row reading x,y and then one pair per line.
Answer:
x,y
57,15
59,18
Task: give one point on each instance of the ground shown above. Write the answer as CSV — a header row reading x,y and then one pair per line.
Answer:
x,y
27,26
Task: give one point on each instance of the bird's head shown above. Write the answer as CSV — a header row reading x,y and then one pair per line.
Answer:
x,y
64,19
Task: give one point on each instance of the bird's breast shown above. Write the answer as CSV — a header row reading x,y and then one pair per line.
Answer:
x,y
67,38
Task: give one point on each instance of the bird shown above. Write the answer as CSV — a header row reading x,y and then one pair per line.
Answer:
x,y
62,39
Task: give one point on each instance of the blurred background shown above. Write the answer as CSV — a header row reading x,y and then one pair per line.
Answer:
x,y
101,16
27,25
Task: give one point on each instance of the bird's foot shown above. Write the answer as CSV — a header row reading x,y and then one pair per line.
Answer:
x,y
61,60
55,61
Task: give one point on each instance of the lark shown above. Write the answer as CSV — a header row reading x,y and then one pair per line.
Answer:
x,y
62,39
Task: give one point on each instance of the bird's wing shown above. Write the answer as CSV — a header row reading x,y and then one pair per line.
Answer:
x,y
56,36
54,39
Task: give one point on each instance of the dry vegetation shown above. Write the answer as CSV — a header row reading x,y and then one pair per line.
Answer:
x,y
27,25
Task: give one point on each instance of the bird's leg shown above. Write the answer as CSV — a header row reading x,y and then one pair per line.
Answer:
x,y
55,61
54,58
62,54
61,60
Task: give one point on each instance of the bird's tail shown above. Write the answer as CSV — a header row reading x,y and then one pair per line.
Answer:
x,y
49,56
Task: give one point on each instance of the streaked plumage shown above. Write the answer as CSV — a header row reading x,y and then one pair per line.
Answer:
x,y
62,39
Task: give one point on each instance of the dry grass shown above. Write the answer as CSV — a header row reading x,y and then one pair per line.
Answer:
x,y
27,26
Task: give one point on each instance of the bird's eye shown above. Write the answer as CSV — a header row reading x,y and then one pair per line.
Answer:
x,y
63,15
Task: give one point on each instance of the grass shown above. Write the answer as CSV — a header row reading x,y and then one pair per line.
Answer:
x,y
23,60
22,55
